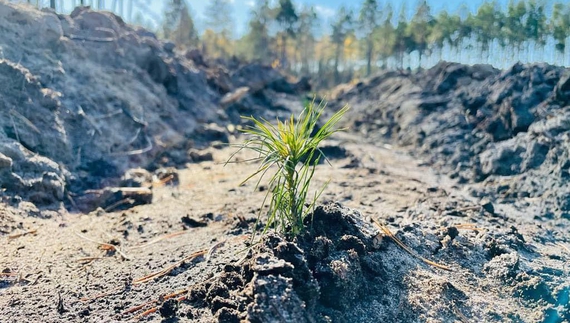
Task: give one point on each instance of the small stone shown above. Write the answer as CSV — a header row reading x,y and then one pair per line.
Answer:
x,y
193,223
452,232
488,206
200,156
169,308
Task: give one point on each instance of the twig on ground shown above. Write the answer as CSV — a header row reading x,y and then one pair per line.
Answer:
x,y
71,200
145,313
105,246
18,235
82,113
93,39
161,299
457,312
164,181
15,128
164,237
389,233
469,226
25,120
113,206
213,249
88,259
139,307
36,267
156,301
216,246
112,291
564,247
168,269
136,151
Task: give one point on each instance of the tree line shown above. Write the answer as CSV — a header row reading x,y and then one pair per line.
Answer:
x,y
356,42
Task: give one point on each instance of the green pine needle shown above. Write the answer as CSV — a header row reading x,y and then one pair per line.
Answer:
x,y
289,148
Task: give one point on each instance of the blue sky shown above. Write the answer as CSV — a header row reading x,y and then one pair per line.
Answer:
x,y
325,8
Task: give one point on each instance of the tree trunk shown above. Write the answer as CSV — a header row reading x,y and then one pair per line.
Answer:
x,y
52,4
336,61
369,48
284,51
420,54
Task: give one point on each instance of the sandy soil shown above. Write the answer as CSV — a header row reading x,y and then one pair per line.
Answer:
x,y
60,272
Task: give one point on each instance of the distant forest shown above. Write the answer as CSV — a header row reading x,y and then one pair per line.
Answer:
x,y
375,36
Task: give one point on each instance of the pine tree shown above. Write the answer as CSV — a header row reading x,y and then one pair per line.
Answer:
x,y
178,25
306,37
185,33
403,43
560,27
257,42
420,27
535,24
446,30
171,17
342,27
286,16
385,36
487,26
367,26
220,22
515,32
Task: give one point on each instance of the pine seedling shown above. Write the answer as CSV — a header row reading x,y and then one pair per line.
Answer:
x,y
291,148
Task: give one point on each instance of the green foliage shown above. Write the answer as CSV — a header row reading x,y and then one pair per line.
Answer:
x,y
306,40
487,24
420,27
560,25
296,39
286,16
368,25
178,25
256,44
514,26
216,39
219,18
385,35
290,147
342,27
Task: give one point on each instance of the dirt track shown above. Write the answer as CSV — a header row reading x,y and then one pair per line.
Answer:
x,y
45,279
48,263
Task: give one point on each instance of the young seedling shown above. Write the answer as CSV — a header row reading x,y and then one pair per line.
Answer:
x,y
291,148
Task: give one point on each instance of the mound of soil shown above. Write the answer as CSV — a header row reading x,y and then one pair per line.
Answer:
x,y
504,129
344,270
85,97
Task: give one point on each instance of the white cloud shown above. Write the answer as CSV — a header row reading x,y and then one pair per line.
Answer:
x,y
250,3
325,12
